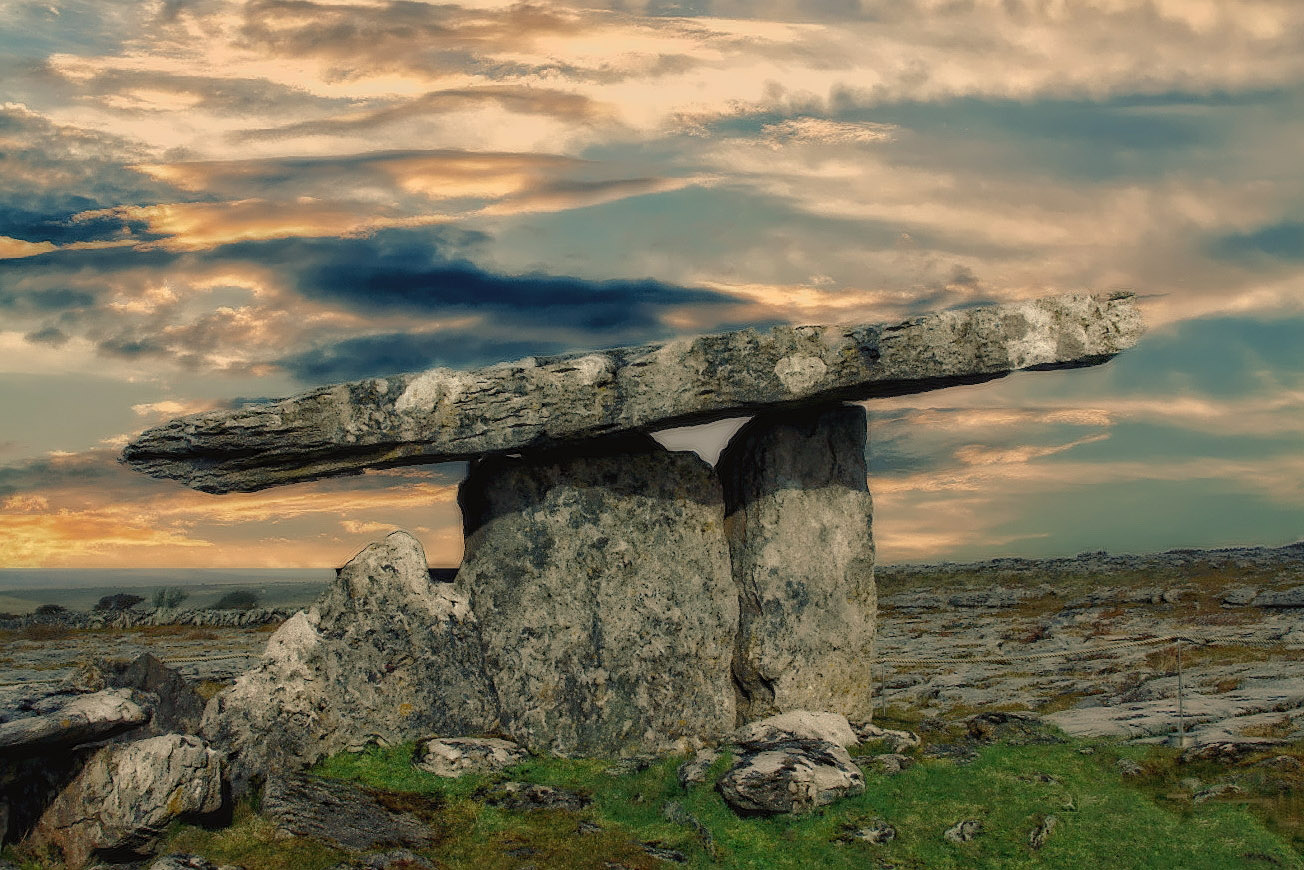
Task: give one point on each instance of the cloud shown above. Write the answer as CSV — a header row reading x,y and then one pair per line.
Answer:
x,y
550,102
84,509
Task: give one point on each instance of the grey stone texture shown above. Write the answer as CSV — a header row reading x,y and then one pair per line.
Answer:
x,y
798,520
791,776
539,402
610,611
341,813
385,655
86,717
127,794
455,756
798,725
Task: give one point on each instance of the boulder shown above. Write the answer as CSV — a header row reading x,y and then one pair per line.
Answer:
x,y
455,756
79,720
443,415
340,813
798,517
609,608
175,706
963,831
790,777
798,725
127,794
894,740
386,655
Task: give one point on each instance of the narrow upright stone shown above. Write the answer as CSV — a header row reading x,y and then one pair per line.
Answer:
x,y
608,608
798,520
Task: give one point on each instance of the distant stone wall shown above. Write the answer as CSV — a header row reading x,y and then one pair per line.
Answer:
x,y
154,616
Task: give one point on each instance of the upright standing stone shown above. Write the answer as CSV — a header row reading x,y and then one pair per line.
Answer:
x,y
609,610
385,655
798,519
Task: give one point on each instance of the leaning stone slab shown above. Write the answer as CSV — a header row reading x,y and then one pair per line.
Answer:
x,y
443,415
385,656
798,515
608,607
88,717
125,797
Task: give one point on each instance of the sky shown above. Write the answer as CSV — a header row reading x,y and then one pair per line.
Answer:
x,y
204,202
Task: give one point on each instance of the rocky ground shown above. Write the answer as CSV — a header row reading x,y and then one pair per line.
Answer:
x,y
1050,635
36,659
1244,678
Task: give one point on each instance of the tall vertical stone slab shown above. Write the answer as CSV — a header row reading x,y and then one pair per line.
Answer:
x,y
798,520
609,611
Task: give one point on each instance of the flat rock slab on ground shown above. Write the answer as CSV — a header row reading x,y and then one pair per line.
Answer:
x,y
340,813
442,415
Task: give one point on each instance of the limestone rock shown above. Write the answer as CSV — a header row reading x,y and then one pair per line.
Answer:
x,y
1040,834
877,832
797,725
963,831
610,609
385,655
887,764
175,705
531,796
339,813
84,718
693,772
182,861
455,756
127,794
896,741
443,415
798,517
791,776
1293,597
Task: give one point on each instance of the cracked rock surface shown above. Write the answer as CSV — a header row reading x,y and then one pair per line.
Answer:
x,y
538,402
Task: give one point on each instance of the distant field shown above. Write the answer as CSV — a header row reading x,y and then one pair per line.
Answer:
x,y
272,593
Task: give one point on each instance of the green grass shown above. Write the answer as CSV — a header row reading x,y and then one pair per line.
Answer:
x,y
1103,819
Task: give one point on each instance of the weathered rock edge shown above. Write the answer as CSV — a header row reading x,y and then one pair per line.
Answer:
x,y
443,415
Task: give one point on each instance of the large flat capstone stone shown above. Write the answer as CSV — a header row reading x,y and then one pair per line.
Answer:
x,y
607,607
798,520
442,415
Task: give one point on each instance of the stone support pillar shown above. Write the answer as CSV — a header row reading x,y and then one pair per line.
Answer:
x,y
608,611
798,521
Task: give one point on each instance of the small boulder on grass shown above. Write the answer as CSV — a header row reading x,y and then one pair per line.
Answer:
x,y
791,776
895,741
457,756
963,831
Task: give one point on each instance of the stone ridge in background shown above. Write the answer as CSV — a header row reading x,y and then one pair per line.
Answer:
x,y
539,402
